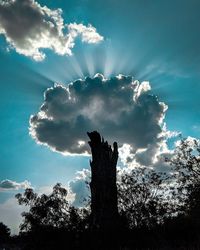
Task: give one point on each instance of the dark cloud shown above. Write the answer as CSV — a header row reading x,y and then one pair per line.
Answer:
x,y
29,27
13,185
119,108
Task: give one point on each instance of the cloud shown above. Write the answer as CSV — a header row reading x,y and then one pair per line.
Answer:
x,y
88,34
119,108
79,188
10,214
13,185
29,28
154,156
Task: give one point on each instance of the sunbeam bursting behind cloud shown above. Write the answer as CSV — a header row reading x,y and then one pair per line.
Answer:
x,y
119,107
23,78
46,42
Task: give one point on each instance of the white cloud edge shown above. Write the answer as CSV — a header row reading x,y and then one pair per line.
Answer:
x,y
51,31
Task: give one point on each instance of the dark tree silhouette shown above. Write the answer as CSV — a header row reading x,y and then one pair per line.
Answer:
x,y
144,210
50,210
186,160
186,163
104,210
4,232
141,197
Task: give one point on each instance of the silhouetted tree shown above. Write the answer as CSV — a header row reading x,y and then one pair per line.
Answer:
x,y
4,233
145,210
50,210
186,160
143,197
186,163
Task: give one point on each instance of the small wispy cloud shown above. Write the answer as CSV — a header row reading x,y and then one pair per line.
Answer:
x,y
88,33
29,28
13,185
196,128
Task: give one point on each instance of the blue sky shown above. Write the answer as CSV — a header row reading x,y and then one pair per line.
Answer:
x,y
156,41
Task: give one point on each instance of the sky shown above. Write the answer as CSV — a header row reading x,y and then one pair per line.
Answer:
x,y
45,46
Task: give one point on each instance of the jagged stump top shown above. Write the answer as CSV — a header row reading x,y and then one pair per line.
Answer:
x,y
104,211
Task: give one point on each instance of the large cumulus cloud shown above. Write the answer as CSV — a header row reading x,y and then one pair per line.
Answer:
x,y
29,27
120,108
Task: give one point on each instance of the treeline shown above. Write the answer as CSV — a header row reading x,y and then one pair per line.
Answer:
x,y
156,211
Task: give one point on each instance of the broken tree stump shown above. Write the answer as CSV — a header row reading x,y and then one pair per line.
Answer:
x,y
104,210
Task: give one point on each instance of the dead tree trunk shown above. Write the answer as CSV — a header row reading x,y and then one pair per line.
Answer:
x,y
104,211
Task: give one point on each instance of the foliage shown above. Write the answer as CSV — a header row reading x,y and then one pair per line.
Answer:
x,y
4,232
186,163
143,197
157,210
51,210
186,160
